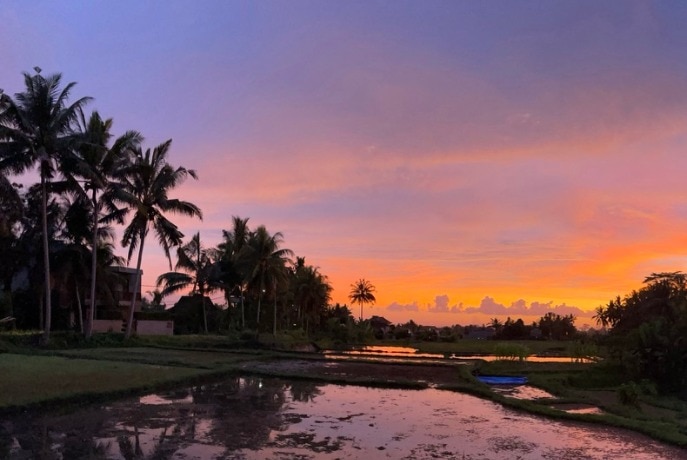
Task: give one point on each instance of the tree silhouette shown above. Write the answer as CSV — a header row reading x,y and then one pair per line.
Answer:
x,y
143,187
362,293
37,128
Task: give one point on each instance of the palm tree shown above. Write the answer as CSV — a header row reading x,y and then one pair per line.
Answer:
x,y
198,263
38,128
143,186
311,292
362,293
496,324
268,264
97,164
232,266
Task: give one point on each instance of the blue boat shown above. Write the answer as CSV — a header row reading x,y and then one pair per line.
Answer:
x,y
502,379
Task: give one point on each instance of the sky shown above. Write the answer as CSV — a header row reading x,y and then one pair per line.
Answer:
x,y
471,159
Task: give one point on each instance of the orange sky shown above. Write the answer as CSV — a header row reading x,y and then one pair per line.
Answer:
x,y
470,159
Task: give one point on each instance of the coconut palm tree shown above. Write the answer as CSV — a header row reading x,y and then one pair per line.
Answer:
x,y
311,292
143,187
267,262
232,267
37,128
97,163
199,264
362,292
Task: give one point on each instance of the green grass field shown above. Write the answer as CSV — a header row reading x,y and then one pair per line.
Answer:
x,y
202,359
30,380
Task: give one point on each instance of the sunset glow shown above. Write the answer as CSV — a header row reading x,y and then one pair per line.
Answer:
x,y
471,159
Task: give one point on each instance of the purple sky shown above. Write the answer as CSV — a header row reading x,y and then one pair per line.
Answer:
x,y
464,156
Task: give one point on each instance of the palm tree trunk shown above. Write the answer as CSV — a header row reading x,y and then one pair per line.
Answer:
x,y
94,264
274,326
41,311
46,262
262,288
78,305
257,326
132,307
243,312
205,314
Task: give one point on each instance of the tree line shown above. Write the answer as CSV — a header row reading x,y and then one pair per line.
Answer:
x,y
647,330
58,234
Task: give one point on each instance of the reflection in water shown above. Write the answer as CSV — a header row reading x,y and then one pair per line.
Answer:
x,y
522,392
391,354
254,418
531,358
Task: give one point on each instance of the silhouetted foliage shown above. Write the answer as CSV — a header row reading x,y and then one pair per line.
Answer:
x,y
648,330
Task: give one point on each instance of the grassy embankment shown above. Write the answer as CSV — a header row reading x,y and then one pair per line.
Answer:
x,y
36,377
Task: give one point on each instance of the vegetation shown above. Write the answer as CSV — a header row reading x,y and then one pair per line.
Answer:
x,y
38,127
198,263
362,293
88,181
647,331
73,379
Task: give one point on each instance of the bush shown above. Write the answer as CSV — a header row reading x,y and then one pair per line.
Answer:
x,y
628,394
582,351
511,351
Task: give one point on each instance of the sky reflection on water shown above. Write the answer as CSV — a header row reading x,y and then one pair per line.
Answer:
x,y
392,354
253,418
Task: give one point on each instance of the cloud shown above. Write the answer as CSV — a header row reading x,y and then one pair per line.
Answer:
x,y
441,305
490,307
395,306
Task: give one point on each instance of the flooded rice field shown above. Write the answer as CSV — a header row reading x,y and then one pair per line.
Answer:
x,y
397,354
269,418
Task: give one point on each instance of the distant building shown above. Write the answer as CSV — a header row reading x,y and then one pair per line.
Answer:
x,y
480,333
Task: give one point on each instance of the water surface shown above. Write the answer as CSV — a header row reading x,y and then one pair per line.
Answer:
x,y
253,418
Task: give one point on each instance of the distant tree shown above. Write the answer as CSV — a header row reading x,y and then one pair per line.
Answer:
x,y
557,327
496,324
513,330
267,261
362,293
232,269
311,293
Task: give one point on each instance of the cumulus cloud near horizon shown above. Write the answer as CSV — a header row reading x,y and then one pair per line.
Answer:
x,y
489,306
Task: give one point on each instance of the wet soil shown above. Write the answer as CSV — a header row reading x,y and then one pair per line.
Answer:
x,y
387,372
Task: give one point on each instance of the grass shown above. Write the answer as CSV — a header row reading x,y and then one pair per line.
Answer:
x,y
490,347
661,417
33,380
208,359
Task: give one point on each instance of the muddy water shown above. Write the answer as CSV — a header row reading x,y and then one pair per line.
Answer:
x,y
252,418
